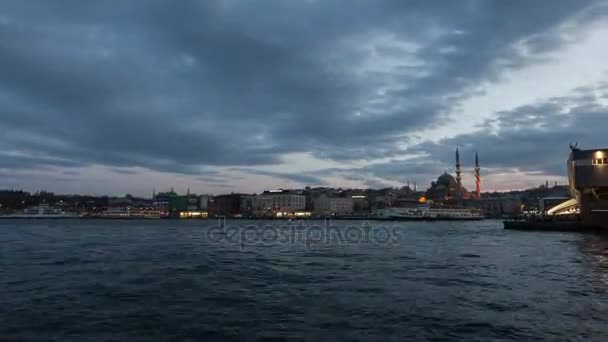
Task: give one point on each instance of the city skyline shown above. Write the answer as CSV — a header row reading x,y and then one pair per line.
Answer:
x,y
238,96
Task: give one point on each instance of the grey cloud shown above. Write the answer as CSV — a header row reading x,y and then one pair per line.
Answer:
x,y
16,162
123,171
303,178
70,173
531,138
186,85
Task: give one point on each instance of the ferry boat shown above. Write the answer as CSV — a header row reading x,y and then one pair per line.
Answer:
x,y
42,211
425,213
130,213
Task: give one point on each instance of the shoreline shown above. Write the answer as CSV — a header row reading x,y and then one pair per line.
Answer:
x,y
245,218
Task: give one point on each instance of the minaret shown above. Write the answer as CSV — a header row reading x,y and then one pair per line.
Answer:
x,y
477,177
458,171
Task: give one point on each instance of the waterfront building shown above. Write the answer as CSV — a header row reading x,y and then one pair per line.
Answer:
x,y
161,202
360,203
588,177
331,205
408,202
228,205
185,207
177,204
246,206
120,201
497,207
271,202
203,202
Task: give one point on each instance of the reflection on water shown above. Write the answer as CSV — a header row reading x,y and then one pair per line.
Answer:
x,y
594,249
170,280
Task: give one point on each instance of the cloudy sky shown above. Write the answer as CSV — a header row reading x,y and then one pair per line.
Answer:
x,y
117,96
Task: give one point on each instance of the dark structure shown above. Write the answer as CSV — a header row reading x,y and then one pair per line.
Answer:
x,y
458,171
446,188
477,177
228,205
497,207
588,176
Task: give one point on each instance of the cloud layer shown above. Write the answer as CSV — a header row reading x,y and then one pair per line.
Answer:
x,y
204,87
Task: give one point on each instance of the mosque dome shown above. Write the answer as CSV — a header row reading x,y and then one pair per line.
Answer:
x,y
445,187
446,180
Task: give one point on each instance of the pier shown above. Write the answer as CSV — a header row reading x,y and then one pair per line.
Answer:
x,y
587,210
565,223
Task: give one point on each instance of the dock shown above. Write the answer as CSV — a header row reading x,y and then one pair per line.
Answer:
x,y
562,223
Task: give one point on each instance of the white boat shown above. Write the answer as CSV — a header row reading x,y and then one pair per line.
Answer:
x,y
42,211
128,212
425,213
117,213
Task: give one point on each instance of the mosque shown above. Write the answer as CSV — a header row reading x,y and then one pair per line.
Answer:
x,y
448,189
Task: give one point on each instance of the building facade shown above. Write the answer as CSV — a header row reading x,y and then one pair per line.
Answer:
x,y
228,205
325,205
588,176
497,207
278,201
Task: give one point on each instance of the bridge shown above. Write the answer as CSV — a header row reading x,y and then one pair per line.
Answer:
x,y
566,208
588,178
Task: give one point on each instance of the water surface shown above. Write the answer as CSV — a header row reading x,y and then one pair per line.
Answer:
x,y
87,280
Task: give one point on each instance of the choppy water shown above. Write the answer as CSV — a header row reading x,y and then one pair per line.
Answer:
x,y
174,281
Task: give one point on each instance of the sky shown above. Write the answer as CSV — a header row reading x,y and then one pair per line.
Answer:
x,y
119,96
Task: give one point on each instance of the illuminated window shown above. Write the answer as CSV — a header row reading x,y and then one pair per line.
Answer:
x,y
594,161
605,161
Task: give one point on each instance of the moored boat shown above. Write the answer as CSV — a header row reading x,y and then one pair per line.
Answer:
x,y
425,213
42,211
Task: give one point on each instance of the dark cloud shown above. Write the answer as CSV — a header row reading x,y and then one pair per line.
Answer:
x,y
16,162
303,178
186,85
70,173
123,171
531,138
527,140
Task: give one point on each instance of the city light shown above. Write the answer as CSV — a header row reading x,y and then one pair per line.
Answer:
x,y
193,214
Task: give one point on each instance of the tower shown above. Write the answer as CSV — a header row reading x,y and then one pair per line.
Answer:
x,y
477,177
458,171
